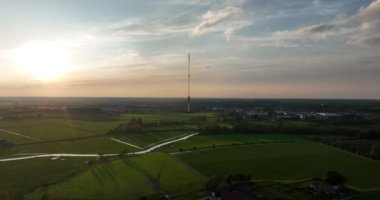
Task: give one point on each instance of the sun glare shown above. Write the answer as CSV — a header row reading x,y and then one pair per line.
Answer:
x,y
43,60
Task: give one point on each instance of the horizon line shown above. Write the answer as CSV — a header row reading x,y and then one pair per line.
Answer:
x,y
161,97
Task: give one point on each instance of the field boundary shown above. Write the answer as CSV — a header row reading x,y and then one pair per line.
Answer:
x,y
18,134
61,140
75,128
347,152
187,166
200,149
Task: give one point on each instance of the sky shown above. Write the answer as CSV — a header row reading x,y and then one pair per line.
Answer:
x,y
239,48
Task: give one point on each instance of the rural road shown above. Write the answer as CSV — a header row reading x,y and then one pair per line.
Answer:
x,y
132,145
43,155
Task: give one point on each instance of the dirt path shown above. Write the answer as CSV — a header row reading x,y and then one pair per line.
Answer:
x,y
178,136
132,145
163,144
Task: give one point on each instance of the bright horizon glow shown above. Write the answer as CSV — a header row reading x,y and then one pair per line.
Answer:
x,y
43,60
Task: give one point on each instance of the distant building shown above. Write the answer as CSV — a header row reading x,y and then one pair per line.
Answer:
x,y
326,115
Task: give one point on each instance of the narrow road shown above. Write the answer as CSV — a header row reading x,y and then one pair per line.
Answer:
x,y
165,140
132,145
42,155
18,134
163,144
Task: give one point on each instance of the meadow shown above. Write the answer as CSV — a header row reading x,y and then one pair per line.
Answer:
x,y
207,141
37,130
102,144
48,129
20,177
266,156
128,178
186,117
286,162
149,138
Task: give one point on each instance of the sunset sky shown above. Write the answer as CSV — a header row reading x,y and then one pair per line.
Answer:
x,y
239,48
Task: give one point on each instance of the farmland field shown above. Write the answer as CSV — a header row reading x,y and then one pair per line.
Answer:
x,y
14,138
20,177
128,178
88,145
169,117
266,156
51,129
286,161
47,129
204,141
149,138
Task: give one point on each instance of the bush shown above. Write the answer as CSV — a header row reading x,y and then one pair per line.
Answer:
x,y
375,151
214,182
335,178
238,178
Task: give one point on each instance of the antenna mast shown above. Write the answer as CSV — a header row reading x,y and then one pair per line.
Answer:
x,y
188,85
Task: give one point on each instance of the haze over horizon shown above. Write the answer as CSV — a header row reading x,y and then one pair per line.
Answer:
x,y
239,48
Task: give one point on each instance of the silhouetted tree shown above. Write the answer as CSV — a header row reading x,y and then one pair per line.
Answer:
x,y
375,151
214,182
335,178
238,178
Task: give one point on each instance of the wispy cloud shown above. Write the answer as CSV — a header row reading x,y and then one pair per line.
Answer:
x,y
367,42
367,21
213,18
320,28
361,29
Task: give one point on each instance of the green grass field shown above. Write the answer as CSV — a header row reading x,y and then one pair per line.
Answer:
x,y
204,141
287,161
267,157
149,138
50,132
20,177
90,145
128,178
52,129
46,129
15,139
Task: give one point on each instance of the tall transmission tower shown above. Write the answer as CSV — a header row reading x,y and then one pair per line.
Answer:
x,y
188,85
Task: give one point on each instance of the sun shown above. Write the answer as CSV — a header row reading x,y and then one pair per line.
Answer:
x,y
43,60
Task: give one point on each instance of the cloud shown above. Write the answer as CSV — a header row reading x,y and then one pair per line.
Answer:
x,y
228,32
361,29
317,3
367,42
204,3
369,13
153,27
211,19
315,29
367,22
